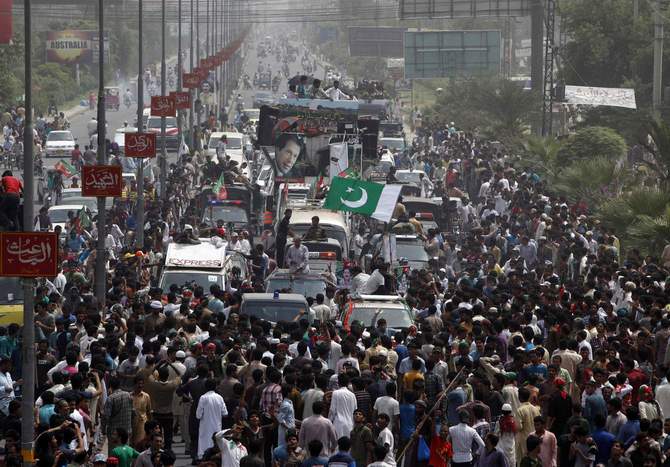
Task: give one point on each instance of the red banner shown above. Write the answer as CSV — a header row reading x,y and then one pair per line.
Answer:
x,y
101,180
163,106
140,144
182,99
201,73
190,81
5,21
29,254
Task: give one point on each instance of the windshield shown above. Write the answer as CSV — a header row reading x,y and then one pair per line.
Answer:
x,y
419,207
253,113
273,311
392,143
331,232
120,139
231,143
11,291
90,203
308,288
60,136
411,177
59,216
226,213
411,251
70,194
395,318
180,278
155,122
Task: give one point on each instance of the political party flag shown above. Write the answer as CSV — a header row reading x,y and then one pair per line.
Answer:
x,y
220,189
368,198
65,168
348,173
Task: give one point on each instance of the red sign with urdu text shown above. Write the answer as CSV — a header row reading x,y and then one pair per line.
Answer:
x,y
101,180
190,81
163,106
182,99
140,144
28,254
5,21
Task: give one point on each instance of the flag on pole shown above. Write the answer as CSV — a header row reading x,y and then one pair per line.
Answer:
x,y
370,199
220,189
65,168
348,173
183,148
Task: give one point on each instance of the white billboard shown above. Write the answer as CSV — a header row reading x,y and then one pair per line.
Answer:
x,y
612,97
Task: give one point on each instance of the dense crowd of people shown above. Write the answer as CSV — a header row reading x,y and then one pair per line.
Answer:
x,y
536,340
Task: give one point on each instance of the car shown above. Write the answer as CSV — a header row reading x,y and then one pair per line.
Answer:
x,y
262,98
307,285
253,115
427,211
58,214
325,256
389,129
229,211
411,179
70,193
411,249
11,301
393,143
90,202
333,223
59,144
171,131
275,307
369,309
120,137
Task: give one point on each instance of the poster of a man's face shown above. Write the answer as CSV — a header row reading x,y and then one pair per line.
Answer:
x,y
287,151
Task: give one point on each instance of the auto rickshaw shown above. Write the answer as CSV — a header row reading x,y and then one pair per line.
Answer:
x,y
112,98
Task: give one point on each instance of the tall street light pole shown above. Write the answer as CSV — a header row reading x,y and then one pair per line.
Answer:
x,y
28,345
139,208
190,57
100,259
179,71
197,55
163,160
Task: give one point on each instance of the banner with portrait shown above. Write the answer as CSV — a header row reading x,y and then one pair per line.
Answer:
x,y
296,133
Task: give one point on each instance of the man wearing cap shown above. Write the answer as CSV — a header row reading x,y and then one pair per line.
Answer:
x,y
100,460
154,320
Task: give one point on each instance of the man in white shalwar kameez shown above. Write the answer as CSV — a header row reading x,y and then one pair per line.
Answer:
x,y
210,412
342,406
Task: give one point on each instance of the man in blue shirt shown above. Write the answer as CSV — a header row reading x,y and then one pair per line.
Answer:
x,y
342,458
315,460
603,439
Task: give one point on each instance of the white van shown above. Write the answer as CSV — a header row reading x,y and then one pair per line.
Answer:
x,y
205,264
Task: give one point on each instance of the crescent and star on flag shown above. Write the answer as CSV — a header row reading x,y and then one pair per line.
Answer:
x,y
356,204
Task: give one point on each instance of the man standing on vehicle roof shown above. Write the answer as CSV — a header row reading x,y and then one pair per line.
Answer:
x,y
297,257
315,232
283,231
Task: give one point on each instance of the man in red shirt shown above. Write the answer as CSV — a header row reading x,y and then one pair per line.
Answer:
x,y
11,198
76,157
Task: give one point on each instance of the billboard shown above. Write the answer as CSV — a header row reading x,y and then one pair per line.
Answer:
x,y
441,54
423,9
5,21
74,46
140,144
299,131
376,42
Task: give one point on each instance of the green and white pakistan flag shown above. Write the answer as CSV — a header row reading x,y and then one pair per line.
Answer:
x,y
370,199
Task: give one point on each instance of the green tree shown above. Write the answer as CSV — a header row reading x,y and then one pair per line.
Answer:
x,y
593,142
659,149
651,234
541,154
591,180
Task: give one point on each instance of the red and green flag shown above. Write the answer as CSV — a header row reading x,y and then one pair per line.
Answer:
x,y
220,189
65,168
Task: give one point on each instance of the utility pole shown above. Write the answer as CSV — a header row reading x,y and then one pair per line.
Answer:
x,y
163,160
100,259
139,207
658,57
197,56
28,344
190,57
179,71
536,50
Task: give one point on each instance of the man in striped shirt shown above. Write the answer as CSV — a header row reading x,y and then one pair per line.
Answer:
x,y
462,437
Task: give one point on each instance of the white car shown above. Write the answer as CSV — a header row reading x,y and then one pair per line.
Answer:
x,y
235,147
59,144
58,214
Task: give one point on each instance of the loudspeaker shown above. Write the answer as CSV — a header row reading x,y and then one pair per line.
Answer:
x,y
369,128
